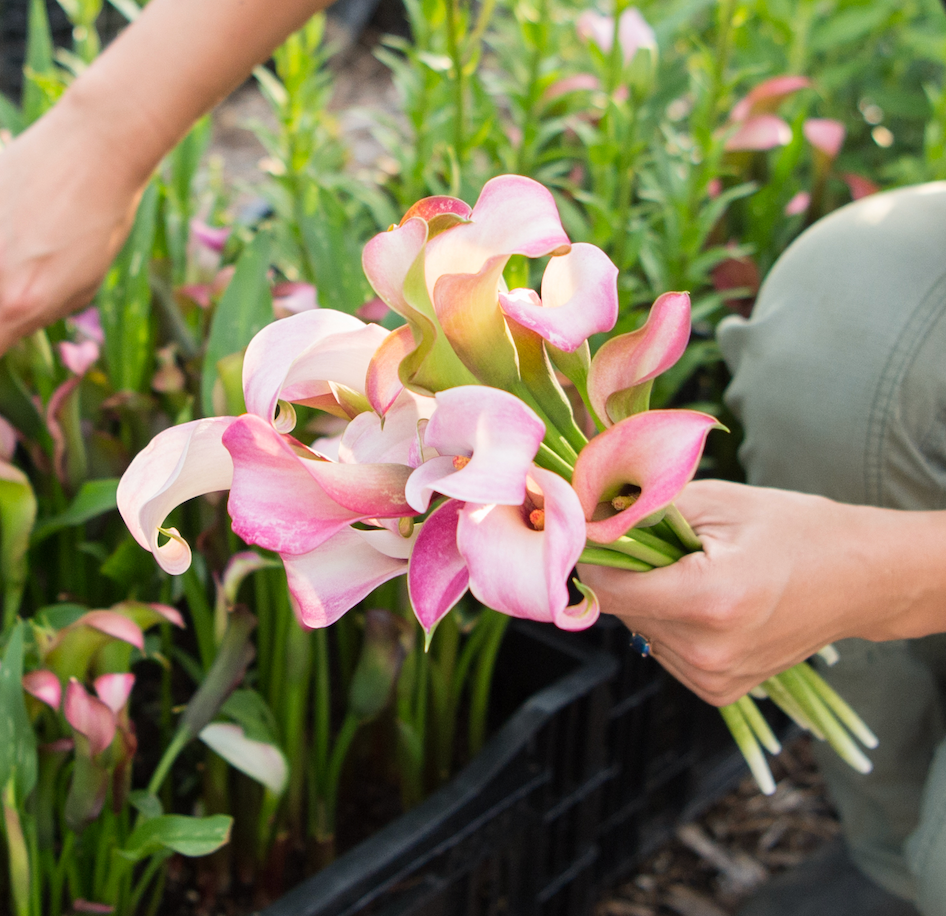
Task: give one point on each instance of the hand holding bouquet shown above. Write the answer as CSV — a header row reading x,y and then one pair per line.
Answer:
x,y
462,464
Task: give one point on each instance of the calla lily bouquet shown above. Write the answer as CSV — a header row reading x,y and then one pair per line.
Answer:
x,y
462,464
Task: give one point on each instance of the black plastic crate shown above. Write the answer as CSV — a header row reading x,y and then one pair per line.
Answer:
x,y
587,775
515,831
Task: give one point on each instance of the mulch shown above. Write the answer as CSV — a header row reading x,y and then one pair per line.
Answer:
x,y
713,864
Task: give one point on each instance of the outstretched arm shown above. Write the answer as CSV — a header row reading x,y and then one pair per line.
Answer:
x,y
70,184
781,575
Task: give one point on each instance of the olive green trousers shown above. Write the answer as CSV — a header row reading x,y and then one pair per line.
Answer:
x,y
839,378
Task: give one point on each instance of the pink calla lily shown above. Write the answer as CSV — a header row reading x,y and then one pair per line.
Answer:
x,y
759,133
513,215
438,576
767,96
45,686
579,298
519,558
656,452
285,498
825,135
89,716
634,359
299,358
383,382
368,440
859,186
213,238
179,463
495,431
633,32
79,357
331,579
799,203
88,325
439,211
114,690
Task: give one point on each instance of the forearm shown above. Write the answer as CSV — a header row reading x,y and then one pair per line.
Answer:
x,y
178,60
901,586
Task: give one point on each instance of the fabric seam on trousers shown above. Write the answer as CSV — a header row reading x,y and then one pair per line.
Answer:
x,y
927,313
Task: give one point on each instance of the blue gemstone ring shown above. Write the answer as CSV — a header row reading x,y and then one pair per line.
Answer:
x,y
640,644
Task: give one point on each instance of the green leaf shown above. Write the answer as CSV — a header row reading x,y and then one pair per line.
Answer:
x,y
17,516
189,836
334,254
260,760
233,658
245,308
95,498
146,804
249,710
128,8
125,302
39,62
10,116
17,741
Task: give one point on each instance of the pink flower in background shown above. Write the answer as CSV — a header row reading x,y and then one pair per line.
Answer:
x,y
859,186
798,204
759,133
739,272
766,97
579,82
825,135
757,127
633,32
292,298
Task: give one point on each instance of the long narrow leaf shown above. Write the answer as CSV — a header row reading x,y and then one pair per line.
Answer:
x,y
246,307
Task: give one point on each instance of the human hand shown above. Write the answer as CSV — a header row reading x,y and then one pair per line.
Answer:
x,y
67,201
781,575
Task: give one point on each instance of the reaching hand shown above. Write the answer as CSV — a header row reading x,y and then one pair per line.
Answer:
x,y
67,201
781,575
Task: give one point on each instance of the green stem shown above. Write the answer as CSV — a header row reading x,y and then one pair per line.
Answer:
x,y
838,706
681,528
602,556
547,459
342,744
202,617
785,701
453,49
631,547
171,752
819,713
483,680
154,866
321,724
757,721
746,741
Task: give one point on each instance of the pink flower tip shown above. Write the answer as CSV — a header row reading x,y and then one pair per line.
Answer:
x,y
78,358
292,298
759,133
798,204
212,237
825,134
